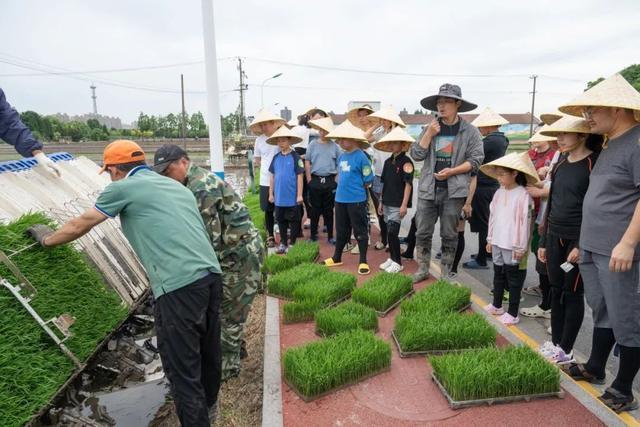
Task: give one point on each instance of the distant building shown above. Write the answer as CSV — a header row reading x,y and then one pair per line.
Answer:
x,y
375,105
285,114
110,122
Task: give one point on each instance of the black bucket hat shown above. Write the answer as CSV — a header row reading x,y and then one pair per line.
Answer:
x,y
448,90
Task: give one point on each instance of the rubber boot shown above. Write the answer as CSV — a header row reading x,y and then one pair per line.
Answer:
x,y
423,257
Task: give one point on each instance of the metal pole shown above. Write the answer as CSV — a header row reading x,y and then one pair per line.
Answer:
x,y
184,119
211,74
533,104
262,88
241,121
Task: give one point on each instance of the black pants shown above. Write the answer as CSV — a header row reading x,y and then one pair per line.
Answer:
x,y
268,208
383,225
511,278
480,219
393,229
289,223
459,252
188,331
351,217
322,191
411,239
567,293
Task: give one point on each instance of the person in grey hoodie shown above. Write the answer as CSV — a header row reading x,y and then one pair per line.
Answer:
x,y
452,151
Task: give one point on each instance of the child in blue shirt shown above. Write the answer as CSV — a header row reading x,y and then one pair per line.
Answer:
x,y
285,188
354,177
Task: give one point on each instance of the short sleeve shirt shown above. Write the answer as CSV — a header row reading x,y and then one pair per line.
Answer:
x,y
161,221
354,172
285,169
397,172
444,148
323,157
265,152
613,194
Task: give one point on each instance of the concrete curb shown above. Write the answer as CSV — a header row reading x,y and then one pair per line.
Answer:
x,y
272,385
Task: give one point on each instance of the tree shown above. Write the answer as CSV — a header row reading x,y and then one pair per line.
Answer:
x,y
418,111
93,124
631,74
229,124
197,126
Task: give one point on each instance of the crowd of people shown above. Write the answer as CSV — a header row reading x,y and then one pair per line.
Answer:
x,y
573,200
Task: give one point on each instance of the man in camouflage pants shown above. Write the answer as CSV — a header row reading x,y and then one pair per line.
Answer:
x,y
235,239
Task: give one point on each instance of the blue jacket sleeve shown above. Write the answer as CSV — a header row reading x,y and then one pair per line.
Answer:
x,y
14,132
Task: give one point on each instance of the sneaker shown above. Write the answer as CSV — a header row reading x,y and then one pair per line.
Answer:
x,y
452,275
473,265
282,249
491,309
559,357
407,255
386,264
355,250
509,320
379,246
331,241
547,349
535,311
271,242
394,267
533,290
549,330
348,246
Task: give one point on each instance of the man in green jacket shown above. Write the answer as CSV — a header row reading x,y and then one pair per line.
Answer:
x,y
235,239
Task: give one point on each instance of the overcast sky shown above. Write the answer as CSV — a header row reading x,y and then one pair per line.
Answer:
x,y
565,42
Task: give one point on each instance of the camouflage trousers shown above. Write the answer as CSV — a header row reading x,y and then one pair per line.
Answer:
x,y
241,276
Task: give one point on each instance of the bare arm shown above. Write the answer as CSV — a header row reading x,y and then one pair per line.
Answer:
x,y
467,203
75,228
622,254
256,162
307,170
271,185
299,195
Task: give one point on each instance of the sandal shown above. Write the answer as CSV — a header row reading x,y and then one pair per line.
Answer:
x,y
617,401
329,262
579,372
364,269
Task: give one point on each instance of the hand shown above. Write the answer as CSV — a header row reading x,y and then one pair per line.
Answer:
x,y
467,210
433,129
443,174
534,192
271,199
543,171
308,179
621,257
49,164
517,255
489,248
299,200
403,211
574,256
40,232
542,255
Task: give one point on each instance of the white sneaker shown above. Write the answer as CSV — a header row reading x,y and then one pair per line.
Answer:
x,y
547,349
394,267
549,330
386,264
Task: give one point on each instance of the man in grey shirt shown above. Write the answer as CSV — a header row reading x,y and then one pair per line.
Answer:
x,y
609,237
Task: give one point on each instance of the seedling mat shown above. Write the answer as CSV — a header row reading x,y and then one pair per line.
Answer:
x,y
395,304
406,354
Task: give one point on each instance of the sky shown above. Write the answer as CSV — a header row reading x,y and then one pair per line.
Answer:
x,y
407,48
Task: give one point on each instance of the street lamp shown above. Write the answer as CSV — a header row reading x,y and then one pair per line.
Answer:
x,y
262,88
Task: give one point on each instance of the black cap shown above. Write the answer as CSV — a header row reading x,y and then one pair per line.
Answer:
x,y
165,155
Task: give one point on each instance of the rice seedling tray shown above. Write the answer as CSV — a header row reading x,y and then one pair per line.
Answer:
x,y
383,292
329,305
344,317
395,304
408,354
460,404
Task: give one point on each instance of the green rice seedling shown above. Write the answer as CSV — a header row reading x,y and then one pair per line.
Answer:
x,y
318,367
301,311
424,331
32,367
441,297
494,373
276,263
304,252
383,290
345,317
283,284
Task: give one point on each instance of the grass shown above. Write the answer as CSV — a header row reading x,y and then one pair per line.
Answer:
x,y
423,331
283,284
301,252
441,297
492,372
252,201
32,367
383,290
345,317
321,366
318,293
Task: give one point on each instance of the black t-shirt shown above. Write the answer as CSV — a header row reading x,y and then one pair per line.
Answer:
x,y
397,171
495,146
569,183
444,148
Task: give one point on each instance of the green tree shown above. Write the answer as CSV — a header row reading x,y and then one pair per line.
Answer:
x,y
93,124
631,74
197,126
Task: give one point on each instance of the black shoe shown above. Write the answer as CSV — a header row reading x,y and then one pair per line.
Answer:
x,y
406,255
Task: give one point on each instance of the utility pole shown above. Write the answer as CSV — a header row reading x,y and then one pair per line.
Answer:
x,y
94,98
242,126
533,103
183,120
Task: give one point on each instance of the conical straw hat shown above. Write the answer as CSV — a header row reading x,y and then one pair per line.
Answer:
x,y
387,113
489,118
397,134
325,124
551,118
539,137
346,130
283,132
352,115
516,161
264,116
612,92
567,124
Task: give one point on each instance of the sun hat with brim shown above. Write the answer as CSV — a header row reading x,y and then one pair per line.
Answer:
x,y
551,118
352,115
539,137
387,113
264,116
397,134
283,132
615,91
120,152
346,130
325,124
567,124
520,162
489,118
448,90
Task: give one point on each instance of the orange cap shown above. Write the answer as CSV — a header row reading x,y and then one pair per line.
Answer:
x,y
120,152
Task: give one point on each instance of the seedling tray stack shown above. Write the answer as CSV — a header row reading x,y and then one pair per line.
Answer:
x,y
383,292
